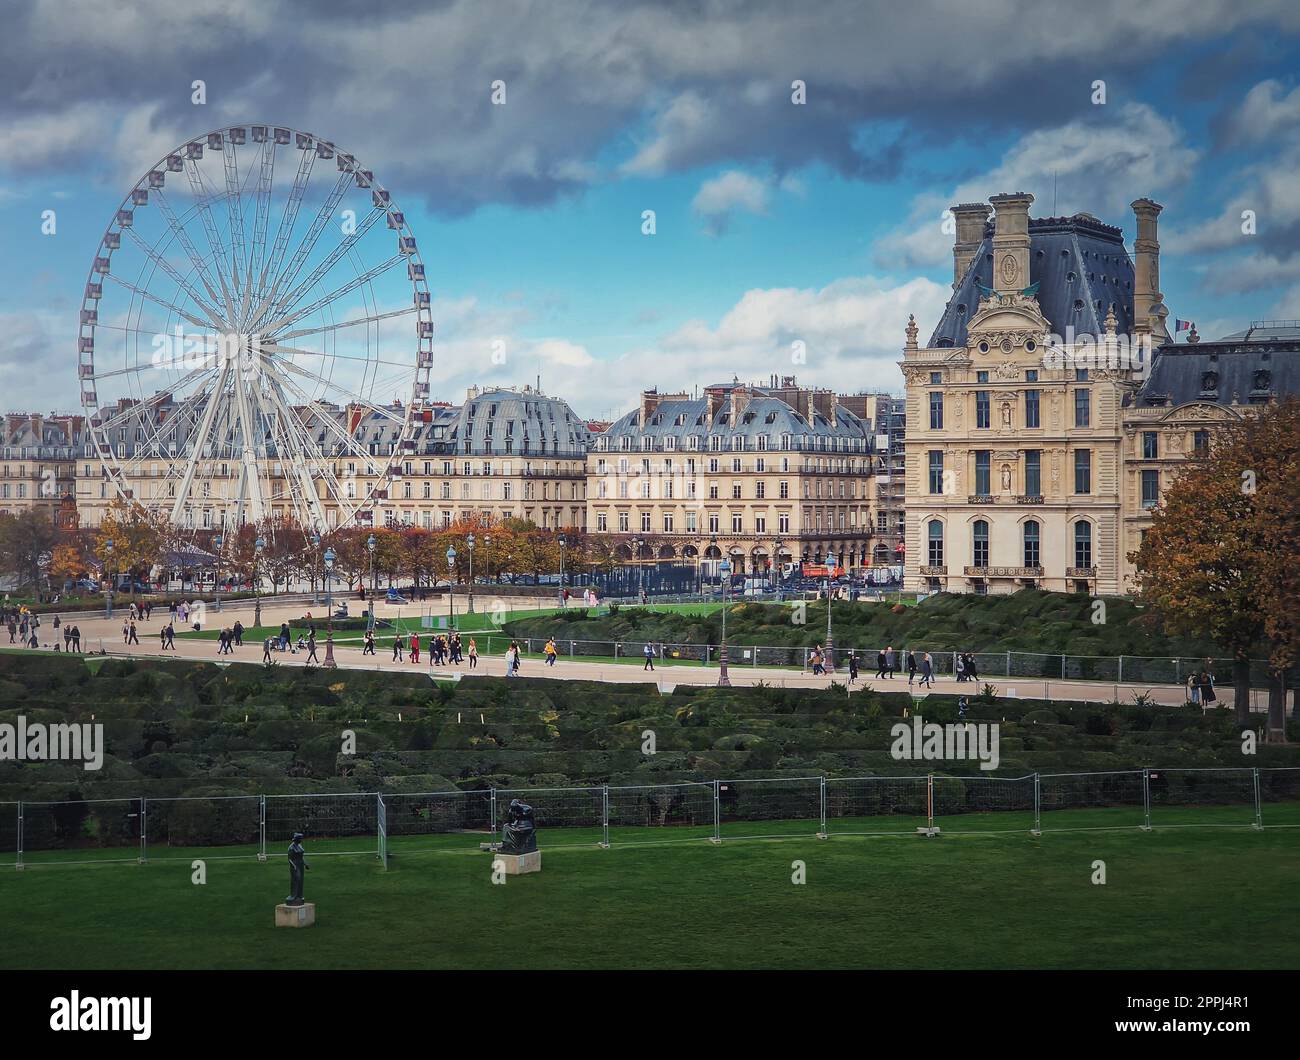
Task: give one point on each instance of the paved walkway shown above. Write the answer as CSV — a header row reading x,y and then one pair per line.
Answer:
x,y
99,632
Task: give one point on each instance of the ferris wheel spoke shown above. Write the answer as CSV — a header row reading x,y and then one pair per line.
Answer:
x,y
300,445
349,395
361,360
161,262
199,438
374,317
271,269
235,212
334,295
203,200
287,303
308,243
197,261
265,180
143,406
160,302
349,443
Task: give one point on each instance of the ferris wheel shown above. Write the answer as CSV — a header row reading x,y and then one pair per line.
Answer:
x,y
256,335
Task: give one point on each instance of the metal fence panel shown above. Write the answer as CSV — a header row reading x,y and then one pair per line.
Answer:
x,y
777,807
1279,793
438,813
79,831
980,803
875,805
660,812
350,820
574,808
1202,797
221,821
1117,799
10,848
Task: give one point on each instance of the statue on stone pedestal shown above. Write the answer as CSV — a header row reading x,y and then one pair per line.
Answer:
x,y
297,866
519,833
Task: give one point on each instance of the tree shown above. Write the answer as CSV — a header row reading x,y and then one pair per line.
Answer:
x,y
1219,558
137,538
26,541
68,560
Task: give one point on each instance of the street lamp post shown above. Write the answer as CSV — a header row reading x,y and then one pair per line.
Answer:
x,y
329,610
776,560
374,585
258,545
725,568
451,586
830,640
108,595
316,569
469,543
563,542
640,569
217,542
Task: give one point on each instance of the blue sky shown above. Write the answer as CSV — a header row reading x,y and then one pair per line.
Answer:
x,y
774,222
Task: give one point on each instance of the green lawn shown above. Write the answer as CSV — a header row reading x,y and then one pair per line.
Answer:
x,y
1174,898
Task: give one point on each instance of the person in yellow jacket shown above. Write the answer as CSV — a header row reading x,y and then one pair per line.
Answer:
x,y
551,652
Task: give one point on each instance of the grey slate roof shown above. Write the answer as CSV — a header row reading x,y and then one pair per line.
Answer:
x,y
764,415
1081,267
1252,372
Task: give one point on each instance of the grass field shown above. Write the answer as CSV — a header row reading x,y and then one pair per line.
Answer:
x,y
1174,897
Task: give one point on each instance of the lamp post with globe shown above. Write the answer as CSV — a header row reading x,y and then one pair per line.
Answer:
x,y
724,568
108,564
258,545
316,570
217,541
469,544
451,586
329,609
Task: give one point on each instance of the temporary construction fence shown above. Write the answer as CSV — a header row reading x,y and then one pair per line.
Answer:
x,y
1112,669
148,829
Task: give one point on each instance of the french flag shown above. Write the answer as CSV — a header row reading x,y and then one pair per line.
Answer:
x,y
1183,325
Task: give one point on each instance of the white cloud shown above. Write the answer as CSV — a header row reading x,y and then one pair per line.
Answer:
x,y
1266,110
722,196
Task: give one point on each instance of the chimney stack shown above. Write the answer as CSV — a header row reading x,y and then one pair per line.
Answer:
x,y
1011,242
971,218
1149,310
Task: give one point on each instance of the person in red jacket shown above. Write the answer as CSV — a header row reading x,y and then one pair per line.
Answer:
x,y
415,647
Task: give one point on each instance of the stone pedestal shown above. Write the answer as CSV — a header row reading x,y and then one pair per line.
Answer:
x,y
518,864
295,916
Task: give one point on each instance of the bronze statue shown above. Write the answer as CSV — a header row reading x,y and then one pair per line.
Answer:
x,y
519,833
297,866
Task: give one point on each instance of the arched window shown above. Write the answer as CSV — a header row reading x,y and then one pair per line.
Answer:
x,y
1031,544
980,543
1083,543
935,531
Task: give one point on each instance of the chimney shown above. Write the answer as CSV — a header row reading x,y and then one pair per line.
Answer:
x,y
971,218
1149,310
649,402
1011,242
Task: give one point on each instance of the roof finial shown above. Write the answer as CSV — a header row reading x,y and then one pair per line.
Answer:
x,y
912,331
1193,336
1112,324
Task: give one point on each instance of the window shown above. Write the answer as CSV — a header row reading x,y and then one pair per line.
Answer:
x,y
1031,544
936,378
668,523
782,524
982,472
981,377
1034,472
1031,375
1083,543
982,408
1081,375
980,544
936,411
690,523
1083,473
935,543
1150,489
1150,447
760,490
760,524
1082,407
713,522
602,523
936,470
622,522
1031,408
645,522
736,523
1201,443
735,491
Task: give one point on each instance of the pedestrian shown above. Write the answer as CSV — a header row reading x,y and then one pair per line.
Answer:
x,y
517,655
67,638
266,648
971,672
880,664
963,704
1194,688
550,652
369,648
171,636
397,648
927,670
891,663
649,654
286,637
959,668
853,667
238,631
1208,698
76,638
473,653
126,632
415,647
134,638
311,649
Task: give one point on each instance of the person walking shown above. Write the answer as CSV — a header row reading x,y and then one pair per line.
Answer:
x,y
238,630
398,654
853,667
134,638
649,654
67,638
415,648
171,636
1208,698
880,664
126,632
550,652
311,648
473,653
266,649
927,670
971,673
891,662
76,638
959,668
369,648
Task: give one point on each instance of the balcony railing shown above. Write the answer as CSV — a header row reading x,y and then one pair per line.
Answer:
x,y
1081,572
981,498
1030,498
1003,572
934,572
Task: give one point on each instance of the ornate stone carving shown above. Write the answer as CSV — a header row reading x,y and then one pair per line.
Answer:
x,y
912,331
1006,370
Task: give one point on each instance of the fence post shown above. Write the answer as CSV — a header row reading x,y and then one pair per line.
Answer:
x,y
494,811
1259,809
261,828
1146,799
754,649
144,829
604,816
823,833
18,863
1008,673
1120,680
717,818
1038,807
929,802
1062,667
